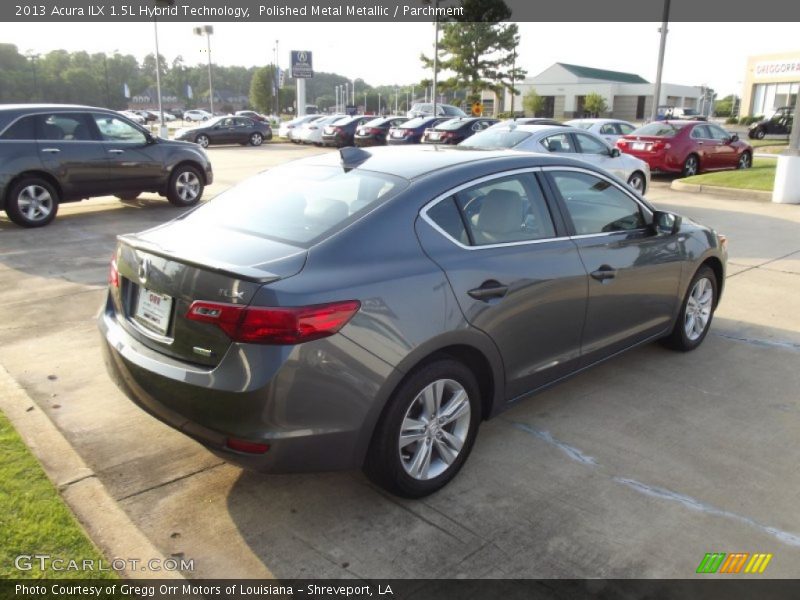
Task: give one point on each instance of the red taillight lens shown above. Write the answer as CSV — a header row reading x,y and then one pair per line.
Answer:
x,y
246,447
291,325
622,143
338,129
113,274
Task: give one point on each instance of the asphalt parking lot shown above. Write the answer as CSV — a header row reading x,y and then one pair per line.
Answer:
x,y
636,468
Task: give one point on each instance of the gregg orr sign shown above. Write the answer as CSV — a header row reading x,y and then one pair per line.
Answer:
x,y
777,68
301,65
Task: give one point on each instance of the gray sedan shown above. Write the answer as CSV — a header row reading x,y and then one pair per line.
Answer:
x,y
608,129
258,325
568,141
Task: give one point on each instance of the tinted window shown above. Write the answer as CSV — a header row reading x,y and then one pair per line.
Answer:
x,y
625,128
452,124
242,122
511,209
701,131
495,138
589,145
659,129
595,205
298,205
558,143
607,129
117,130
446,215
718,133
23,129
63,126
417,122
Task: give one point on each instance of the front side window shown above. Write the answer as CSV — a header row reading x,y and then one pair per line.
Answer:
x,y
509,209
590,145
116,130
625,129
596,205
608,129
558,143
701,132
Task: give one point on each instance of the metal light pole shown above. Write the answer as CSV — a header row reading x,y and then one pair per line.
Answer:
x,y
277,80
379,103
163,128
662,46
435,51
33,57
208,30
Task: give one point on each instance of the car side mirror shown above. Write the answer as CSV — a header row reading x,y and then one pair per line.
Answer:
x,y
149,138
733,138
615,152
666,223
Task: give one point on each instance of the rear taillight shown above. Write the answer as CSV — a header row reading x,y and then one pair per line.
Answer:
x,y
622,143
338,130
113,273
447,135
290,325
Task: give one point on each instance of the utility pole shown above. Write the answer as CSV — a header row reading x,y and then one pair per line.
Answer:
x,y
208,30
661,48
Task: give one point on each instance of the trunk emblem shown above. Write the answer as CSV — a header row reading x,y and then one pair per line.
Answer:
x,y
144,268
231,294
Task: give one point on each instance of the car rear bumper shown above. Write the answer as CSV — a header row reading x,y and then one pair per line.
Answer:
x,y
364,142
659,163
313,404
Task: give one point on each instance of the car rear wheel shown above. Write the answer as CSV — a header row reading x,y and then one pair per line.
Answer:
x,y
691,166
202,140
185,186
745,161
256,139
637,181
427,431
696,313
32,202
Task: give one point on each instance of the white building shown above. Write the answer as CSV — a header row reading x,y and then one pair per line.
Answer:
x,y
627,95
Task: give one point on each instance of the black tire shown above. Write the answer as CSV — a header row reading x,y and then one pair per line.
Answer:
x,y
128,196
32,202
691,165
384,464
759,133
202,140
256,139
185,186
678,339
745,161
638,182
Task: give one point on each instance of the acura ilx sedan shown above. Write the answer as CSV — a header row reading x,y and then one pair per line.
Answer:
x,y
370,308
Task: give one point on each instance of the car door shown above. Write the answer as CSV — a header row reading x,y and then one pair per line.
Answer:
x,y
515,275
243,128
595,151
134,162
633,273
705,146
70,149
726,154
223,132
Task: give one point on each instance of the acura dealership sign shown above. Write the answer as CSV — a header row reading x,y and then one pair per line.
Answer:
x,y
777,68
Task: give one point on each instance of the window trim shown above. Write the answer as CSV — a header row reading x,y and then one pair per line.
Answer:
x,y
647,211
60,110
423,213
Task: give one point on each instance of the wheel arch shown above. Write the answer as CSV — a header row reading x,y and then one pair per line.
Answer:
x,y
191,163
49,178
715,264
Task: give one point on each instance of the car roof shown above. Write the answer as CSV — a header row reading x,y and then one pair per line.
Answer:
x,y
415,161
596,120
536,128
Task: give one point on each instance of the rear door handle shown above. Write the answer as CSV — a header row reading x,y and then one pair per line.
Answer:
x,y
604,273
51,150
489,289
116,151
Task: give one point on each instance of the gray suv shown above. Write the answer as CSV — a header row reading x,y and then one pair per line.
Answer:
x,y
51,154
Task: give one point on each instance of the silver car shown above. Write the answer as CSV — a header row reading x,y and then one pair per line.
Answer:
x,y
608,129
569,141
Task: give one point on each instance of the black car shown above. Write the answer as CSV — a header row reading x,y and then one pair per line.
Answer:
x,y
61,153
456,130
227,130
780,123
411,131
341,132
374,132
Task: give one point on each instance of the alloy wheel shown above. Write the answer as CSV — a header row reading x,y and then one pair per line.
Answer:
x,y
203,140
35,203
744,161
636,181
187,185
690,167
434,429
698,309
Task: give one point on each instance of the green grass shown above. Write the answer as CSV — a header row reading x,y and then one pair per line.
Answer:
x,y
761,176
778,142
34,518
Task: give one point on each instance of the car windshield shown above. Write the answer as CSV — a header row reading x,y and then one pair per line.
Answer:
x,y
658,129
581,124
298,205
495,138
451,124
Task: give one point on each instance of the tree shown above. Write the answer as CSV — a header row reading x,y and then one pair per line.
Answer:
x,y
724,107
533,103
479,49
262,89
595,104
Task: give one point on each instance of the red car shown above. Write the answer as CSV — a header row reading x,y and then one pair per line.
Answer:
x,y
687,147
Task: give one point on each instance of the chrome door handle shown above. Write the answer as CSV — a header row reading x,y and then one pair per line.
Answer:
x,y
116,151
604,273
51,150
699,143
488,290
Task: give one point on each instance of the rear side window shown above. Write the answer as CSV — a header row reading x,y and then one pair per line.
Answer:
x,y
22,129
64,127
298,205
447,216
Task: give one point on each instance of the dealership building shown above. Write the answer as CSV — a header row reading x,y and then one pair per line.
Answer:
x,y
771,81
628,96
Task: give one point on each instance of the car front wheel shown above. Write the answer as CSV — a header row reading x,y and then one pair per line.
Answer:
x,y
427,431
745,161
256,139
697,311
637,182
185,186
32,202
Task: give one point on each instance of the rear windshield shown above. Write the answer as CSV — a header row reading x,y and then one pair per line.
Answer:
x,y
418,122
581,124
298,205
658,129
376,122
495,138
452,124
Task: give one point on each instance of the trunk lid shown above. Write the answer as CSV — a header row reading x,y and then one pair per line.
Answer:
x,y
163,270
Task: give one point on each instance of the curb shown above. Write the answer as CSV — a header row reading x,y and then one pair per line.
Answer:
x,y
105,523
716,190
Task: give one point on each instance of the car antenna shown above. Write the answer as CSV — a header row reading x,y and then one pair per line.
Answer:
x,y
352,157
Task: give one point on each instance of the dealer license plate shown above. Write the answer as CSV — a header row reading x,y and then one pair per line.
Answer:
x,y
153,310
